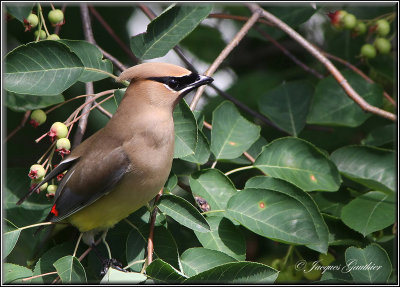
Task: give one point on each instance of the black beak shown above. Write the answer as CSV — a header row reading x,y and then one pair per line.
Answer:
x,y
202,80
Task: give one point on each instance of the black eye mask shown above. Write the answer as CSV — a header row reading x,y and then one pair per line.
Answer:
x,y
177,83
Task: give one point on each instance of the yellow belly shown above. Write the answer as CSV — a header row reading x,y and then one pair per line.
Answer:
x,y
104,213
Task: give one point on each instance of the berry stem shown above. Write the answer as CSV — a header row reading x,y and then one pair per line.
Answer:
x,y
61,104
52,6
46,152
43,21
40,23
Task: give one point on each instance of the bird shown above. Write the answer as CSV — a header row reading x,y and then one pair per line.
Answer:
x,y
125,164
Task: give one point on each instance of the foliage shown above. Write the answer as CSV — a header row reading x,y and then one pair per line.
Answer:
x,y
258,198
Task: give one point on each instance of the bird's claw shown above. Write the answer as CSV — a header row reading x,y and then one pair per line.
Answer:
x,y
113,263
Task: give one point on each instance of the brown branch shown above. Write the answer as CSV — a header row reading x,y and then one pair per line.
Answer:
x,y
225,52
290,55
325,61
151,15
103,110
238,18
358,71
87,31
150,243
117,63
110,31
20,126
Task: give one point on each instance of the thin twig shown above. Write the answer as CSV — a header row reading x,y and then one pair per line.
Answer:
x,y
87,31
150,243
325,61
117,63
225,52
103,110
358,71
40,275
110,31
20,126
290,55
151,15
235,17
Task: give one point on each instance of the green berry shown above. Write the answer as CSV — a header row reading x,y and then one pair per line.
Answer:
x,y
58,130
51,189
382,45
33,20
53,37
63,143
326,259
56,16
382,27
368,51
36,171
42,34
38,117
311,273
349,21
43,187
360,28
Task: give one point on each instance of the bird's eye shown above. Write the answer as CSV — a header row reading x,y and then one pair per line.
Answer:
x,y
172,83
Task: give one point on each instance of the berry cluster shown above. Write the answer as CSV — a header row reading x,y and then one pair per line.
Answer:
x,y
341,19
57,131
56,18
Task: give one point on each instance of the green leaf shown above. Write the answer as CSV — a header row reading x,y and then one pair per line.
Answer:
x,y
185,130
204,34
237,272
202,151
20,11
292,15
163,272
199,259
300,163
287,105
95,67
114,276
224,237
370,212
332,106
370,166
45,68
135,249
278,210
183,212
167,30
213,186
45,263
380,136
10,239
231,134
23,103
70,270
14,274
368,265
171,183
340,234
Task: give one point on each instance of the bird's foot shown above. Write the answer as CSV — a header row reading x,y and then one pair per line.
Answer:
x,y
113,263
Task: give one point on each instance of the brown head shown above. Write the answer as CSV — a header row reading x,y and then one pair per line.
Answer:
x,y
161,84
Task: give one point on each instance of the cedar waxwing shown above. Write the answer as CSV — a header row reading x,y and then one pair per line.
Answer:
x,y
125,164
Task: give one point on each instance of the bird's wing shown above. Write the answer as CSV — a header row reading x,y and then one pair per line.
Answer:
x,y
82,185
63,166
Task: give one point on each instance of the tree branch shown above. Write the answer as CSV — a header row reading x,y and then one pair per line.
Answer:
x,y
110,31
150,243
87,30
20,126
225,52
325,61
